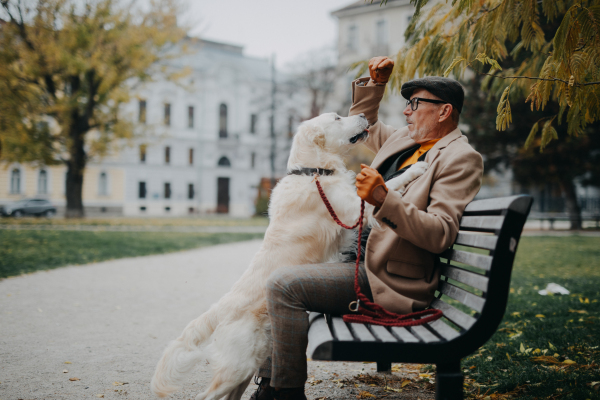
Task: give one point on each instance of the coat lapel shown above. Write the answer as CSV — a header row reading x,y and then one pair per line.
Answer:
x,y
445,141
393,145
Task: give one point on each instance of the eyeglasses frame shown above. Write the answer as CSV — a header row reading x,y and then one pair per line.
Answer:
x,y
422,99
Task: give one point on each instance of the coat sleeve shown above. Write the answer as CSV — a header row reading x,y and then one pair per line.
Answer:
x,y
366,99
456,183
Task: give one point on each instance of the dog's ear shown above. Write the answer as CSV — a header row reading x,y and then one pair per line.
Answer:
x,y
319,139
314,134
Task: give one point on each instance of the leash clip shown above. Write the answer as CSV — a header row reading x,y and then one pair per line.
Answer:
x,y
357,302
316,177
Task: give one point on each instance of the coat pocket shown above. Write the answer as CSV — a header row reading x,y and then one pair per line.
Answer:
x,y
407,270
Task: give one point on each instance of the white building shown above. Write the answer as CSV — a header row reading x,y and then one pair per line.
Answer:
x,y
204,144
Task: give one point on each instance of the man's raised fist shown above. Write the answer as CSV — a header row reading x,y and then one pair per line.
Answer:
x,y
380,69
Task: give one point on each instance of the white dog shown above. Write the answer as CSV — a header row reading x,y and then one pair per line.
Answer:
x,y
235,332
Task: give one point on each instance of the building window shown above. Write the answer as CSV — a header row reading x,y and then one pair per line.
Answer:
x,y
252,160
190,116
167,190
352,43
142,190
142,112
224,162
167,155
43,182
253,119
191,157
103,185
15,181
191,191
381,32
167,114
142,153
223,120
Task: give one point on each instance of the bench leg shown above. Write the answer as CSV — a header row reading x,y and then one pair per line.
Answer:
x,y
449,381
384,367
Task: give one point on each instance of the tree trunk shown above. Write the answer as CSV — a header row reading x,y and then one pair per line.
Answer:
x,y
75,170
568,190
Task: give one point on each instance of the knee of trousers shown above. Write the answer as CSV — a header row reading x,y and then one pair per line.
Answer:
x,y
284,283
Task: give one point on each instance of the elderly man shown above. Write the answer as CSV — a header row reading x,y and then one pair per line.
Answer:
x,y
400,270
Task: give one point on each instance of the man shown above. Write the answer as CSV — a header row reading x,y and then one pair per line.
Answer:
x,y
400,270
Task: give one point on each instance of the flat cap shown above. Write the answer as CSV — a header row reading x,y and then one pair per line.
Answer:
x,y
446,89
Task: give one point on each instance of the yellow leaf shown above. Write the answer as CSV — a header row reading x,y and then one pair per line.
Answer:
x,y
68,362
540,316
537,351
74,379
522,348
365,395
551,346
507,356
516,314
405,382
584,300
569,362
578,311
389,389
101,396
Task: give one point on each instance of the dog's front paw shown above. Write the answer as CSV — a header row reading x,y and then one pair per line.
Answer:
x,y
420,167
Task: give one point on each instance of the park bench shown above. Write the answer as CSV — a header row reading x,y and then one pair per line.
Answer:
x,y
472,294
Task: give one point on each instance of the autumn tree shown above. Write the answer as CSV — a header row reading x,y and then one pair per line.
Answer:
x,y
67,67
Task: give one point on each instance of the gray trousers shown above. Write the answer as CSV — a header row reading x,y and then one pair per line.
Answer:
x,y
291,292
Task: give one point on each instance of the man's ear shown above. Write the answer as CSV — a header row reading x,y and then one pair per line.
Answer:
x,y
445,112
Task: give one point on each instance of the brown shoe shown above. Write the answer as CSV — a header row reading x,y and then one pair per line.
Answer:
x,y
290,394
264,390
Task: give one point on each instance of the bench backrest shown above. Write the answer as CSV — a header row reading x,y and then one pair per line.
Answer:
x,y
483,252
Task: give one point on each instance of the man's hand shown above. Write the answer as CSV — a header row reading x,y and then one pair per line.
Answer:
x,y
380,69
370,186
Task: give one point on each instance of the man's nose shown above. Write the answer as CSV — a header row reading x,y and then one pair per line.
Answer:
x,y
407,110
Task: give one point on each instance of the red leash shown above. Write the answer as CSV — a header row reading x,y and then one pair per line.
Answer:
x,y
373,313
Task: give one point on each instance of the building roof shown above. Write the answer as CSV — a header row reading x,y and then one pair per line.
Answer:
x,y
362,6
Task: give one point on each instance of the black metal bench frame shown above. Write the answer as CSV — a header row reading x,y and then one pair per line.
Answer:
x,y
492,224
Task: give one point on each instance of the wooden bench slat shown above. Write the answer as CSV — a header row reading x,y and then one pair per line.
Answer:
x,y
443,330
383,333
476,260
474,240
467,277
482,223
458,317
468,299
340,329
362,333
423,333
404,334
496,204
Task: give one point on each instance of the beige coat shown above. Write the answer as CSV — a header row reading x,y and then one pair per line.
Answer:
x,y
401,260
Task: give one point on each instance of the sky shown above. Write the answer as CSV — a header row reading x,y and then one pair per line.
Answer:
x,y
286,28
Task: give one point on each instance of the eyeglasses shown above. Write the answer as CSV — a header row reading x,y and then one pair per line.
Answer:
x,y
414,102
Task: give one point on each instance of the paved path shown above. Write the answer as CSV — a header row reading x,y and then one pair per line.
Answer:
x,y
110,321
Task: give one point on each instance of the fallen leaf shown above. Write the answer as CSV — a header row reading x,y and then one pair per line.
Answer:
x,y
472,367
120,383
74,379
584,300
537,351
365,395
68,362
100,396
578,311
65,371
522,348
540,316
507,356
568,362
389,389
516,314
545,360
551,346
407,382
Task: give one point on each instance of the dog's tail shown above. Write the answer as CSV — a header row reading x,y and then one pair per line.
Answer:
x,y
183,353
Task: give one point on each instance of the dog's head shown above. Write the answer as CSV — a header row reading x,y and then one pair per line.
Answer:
x,y
332,133
327,137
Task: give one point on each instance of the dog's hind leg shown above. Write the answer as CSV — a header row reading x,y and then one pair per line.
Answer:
x,y
239,390
223,383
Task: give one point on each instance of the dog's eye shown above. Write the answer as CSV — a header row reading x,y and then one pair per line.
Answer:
x,y
337,118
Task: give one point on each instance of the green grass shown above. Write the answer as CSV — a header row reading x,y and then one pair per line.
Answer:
x,y
24,251
563,327
194,221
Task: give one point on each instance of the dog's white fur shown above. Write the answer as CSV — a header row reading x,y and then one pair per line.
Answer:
x,y
235,332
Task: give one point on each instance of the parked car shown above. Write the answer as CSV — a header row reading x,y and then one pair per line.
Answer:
x,y
20,208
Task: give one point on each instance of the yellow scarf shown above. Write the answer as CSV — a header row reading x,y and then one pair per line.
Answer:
x,y
420,151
